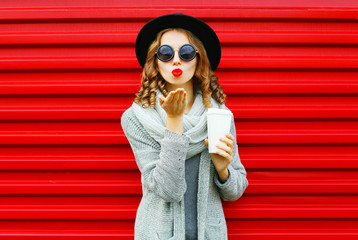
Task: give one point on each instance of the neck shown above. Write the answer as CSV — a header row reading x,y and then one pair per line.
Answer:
x,y
188,87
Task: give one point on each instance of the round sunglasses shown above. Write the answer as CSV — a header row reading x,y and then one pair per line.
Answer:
x,y
165,53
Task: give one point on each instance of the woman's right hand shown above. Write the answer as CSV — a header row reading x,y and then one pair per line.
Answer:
x,y
174,104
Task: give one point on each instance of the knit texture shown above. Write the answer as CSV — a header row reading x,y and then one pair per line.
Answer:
x,y
161,213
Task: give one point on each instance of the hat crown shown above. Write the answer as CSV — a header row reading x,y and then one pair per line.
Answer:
x,y
199,28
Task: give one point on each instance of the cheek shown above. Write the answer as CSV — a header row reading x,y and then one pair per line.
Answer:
x,y
161,70
192,68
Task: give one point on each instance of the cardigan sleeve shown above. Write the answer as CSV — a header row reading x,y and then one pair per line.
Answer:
x,y
162,165
237,182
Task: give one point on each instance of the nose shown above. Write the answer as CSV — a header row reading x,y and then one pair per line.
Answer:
x,y
176,58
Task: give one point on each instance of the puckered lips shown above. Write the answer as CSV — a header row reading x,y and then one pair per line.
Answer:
x,y
177,72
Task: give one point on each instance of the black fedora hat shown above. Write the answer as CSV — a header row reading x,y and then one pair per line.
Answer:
x,y
199,28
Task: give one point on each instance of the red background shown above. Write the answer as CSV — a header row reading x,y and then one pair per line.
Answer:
x,y
68,71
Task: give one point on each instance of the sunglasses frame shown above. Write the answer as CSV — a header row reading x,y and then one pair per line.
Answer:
x,y
196,52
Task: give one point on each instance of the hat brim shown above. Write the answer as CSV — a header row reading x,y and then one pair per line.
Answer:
x,y
199,28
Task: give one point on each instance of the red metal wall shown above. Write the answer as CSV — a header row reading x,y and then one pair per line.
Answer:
x,y
68,71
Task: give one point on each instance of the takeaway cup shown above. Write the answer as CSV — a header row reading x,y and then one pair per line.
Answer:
x,y
219,121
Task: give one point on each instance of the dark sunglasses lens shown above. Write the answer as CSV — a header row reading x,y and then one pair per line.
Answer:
x,y
187,52
165,53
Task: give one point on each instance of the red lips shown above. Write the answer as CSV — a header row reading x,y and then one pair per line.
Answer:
x,y
177,72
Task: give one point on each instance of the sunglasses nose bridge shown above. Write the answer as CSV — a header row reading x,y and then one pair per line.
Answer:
x,y
176,58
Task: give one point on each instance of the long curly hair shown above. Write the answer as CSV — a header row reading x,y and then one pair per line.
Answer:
x,y
204,78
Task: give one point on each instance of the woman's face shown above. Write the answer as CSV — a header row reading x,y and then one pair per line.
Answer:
x,y
169,70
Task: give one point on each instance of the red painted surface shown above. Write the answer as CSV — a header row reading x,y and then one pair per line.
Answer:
x,y
68,71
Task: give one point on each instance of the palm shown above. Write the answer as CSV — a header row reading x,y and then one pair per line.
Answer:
x,y
174,104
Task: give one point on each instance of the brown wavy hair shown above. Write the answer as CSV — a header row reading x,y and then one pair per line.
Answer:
x,y
204,78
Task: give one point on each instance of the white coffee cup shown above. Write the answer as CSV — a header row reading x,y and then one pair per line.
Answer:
x,y
219,123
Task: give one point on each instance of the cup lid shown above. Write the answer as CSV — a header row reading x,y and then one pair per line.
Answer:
x,y
219,111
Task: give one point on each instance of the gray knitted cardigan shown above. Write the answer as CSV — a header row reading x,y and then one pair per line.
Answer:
x,y
160,214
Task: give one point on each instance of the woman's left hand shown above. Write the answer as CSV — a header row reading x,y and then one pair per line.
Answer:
x,y
223,157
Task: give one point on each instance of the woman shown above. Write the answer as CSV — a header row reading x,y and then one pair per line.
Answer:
x,y
166,127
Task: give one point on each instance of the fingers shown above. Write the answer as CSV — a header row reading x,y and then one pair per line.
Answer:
x,y
170,97
175,102
230,136
228,139
225,148
178,95
161,99
224,154
184,98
